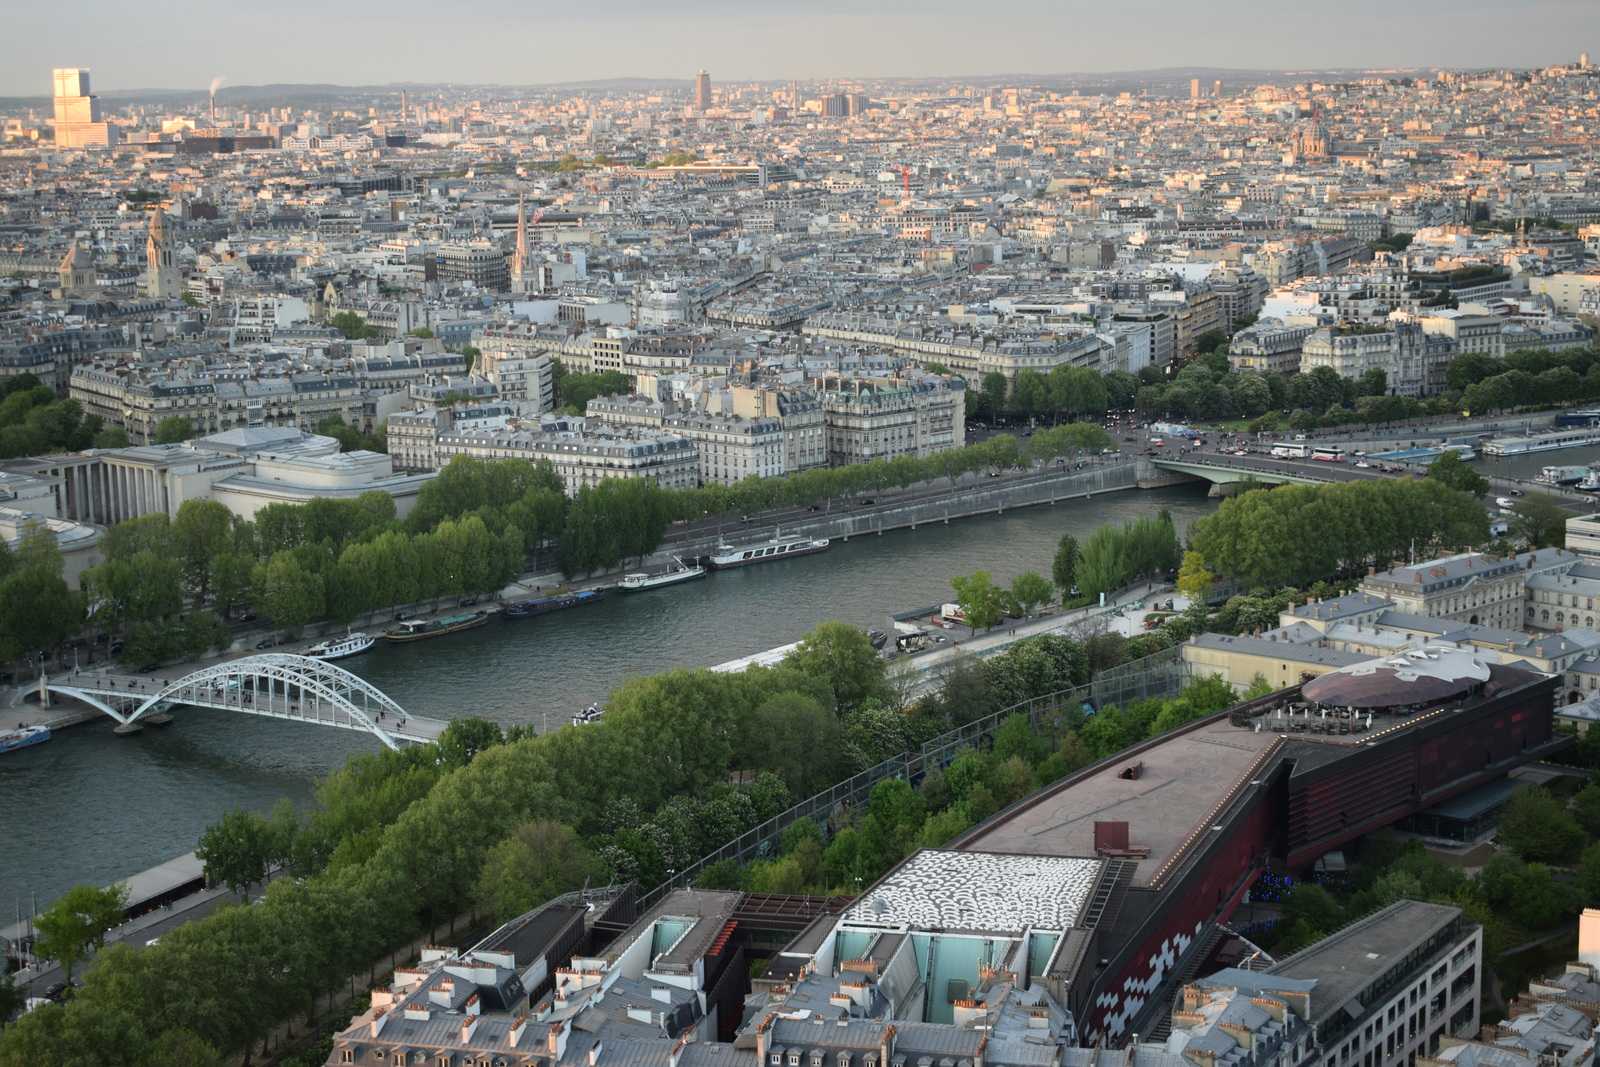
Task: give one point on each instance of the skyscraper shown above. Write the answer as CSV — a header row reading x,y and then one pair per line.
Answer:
x,y
702,91
78,123
1194,88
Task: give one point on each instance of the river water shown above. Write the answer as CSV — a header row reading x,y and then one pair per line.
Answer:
x,y
90,806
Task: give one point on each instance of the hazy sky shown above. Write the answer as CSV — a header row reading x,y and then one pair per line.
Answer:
x,y
180,43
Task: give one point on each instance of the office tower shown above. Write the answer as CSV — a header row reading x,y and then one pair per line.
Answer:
x,y
1194,88
794,96
702,91
160,270
78,123
855,103
1583,60
1216,89
835,105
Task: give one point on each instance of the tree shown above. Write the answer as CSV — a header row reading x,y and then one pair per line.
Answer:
x,y
237,850
204,533
1373,382
78,922
1539,520
13,998
1064,569
992,393
174,429
111,437
540,859
290,595
1194,580
843,656
1314,906
1536,826
1586,808
464,738
1449,470
352,325
1030,589
980,599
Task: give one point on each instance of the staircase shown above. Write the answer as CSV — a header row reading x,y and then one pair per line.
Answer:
x,y
1105,903
1167,995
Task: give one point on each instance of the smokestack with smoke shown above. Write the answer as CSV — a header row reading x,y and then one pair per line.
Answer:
x,y
216,83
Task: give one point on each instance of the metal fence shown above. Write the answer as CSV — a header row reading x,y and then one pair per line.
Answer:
x,y
1160,674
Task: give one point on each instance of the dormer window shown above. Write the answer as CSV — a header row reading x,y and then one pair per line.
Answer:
x,y
844,1059
347,1055
794,1059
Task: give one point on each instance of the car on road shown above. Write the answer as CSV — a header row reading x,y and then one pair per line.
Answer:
x,y
1363,464
153,942
56,991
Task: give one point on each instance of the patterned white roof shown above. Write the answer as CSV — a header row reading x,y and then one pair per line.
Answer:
x,y
943,890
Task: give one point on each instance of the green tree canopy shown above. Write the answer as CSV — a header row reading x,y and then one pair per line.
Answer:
x,y
237,850
174,429
1449,469
979,598
540,859
78,922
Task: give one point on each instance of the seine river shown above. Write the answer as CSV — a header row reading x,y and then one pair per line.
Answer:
x,y
90,806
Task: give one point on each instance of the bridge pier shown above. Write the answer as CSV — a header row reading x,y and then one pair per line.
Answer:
x,y
126,728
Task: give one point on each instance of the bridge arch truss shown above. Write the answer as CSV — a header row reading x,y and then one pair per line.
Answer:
x,y
275,685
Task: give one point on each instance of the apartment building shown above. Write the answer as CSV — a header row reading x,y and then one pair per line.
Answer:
x,y
1384,990
413,436
799,414
1269,346
880,418
481,264
1474,332
528,381
1414,362
1470,587
731,447
972,353
583,454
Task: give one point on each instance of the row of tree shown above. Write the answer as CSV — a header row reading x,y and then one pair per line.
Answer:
x,y
1297,534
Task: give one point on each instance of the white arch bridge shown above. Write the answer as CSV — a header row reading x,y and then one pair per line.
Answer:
x,y
274,686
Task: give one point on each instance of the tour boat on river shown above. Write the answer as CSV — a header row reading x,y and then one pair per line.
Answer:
x,y
680,572
23,736
729,556
341,647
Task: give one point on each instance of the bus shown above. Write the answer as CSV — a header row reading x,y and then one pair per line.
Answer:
x,y
1286,450
1328,455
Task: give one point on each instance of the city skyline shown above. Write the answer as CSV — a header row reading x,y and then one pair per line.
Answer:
x,y
496,42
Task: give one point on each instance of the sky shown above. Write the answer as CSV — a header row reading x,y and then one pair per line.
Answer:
x,y
174,44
